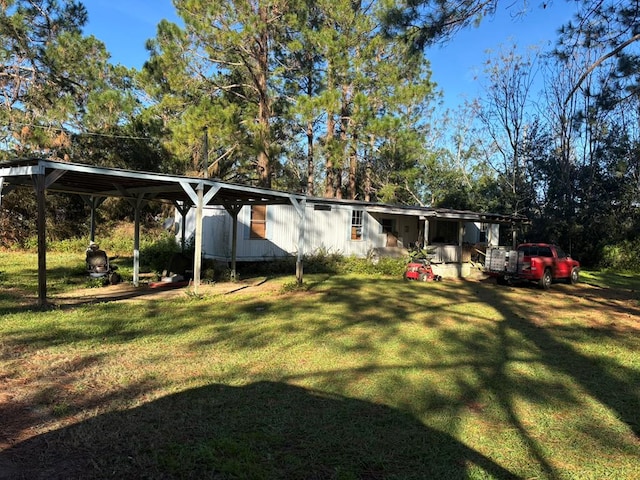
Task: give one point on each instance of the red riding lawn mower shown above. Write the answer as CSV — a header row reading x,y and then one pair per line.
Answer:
x,y
420,269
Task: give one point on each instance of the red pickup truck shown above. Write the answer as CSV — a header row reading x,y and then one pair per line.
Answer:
x,y
543,263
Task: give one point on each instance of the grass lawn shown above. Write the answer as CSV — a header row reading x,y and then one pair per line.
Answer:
x,y
353,378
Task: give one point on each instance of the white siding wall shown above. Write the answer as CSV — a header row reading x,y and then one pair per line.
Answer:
x,y
472,232
331,231
473,229
216,239
216,231
282,234
327,230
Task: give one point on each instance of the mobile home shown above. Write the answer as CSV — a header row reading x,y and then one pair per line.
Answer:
x,y
361,229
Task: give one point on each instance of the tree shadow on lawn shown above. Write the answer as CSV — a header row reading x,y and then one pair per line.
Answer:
x,y
269,430
539,339
264,430
554,345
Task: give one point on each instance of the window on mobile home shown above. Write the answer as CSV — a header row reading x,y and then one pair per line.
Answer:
x,y
356,225
258,222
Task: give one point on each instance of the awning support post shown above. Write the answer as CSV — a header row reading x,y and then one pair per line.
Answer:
x,y
197,255
183,208
234,210
199,199
301,208
136,244
92,231
460,241
40,186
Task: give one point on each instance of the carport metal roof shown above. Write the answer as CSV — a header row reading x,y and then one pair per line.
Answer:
x,y
61,177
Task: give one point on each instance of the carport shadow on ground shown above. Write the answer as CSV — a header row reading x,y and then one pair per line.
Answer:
x,y
263,430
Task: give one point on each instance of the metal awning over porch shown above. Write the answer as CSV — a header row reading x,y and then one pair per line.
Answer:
x,y
94,184
425,212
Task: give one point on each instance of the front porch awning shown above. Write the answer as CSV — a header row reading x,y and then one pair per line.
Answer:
x,y
427,213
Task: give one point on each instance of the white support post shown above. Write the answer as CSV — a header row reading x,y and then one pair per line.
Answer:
x,y
199,199
40,187
301,209
426,233
197,255
136,246
234,246
233,210
460,240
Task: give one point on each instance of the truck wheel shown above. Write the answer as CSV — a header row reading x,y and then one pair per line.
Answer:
x,y
545,280
574,277
422,277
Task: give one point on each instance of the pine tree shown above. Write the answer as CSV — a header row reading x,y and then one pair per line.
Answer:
x,y
54,81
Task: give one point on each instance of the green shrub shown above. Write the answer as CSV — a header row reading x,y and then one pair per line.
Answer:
x,y
155,254
363,266
69,245
283,266
624,256
215,271
294,286
29,243
323,261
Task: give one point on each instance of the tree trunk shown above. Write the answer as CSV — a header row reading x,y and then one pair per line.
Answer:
x,y
338,183
367,171
329,188
344,140
310,162
264,104
310,143
353,169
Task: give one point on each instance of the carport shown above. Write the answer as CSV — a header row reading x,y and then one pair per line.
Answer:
x,y
95,184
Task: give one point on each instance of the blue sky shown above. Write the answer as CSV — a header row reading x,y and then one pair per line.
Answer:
x,y
457,66
125,25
